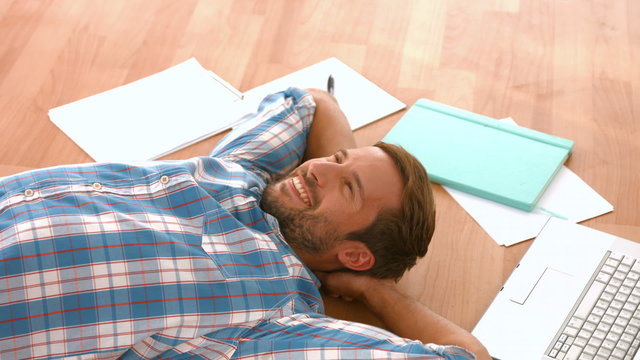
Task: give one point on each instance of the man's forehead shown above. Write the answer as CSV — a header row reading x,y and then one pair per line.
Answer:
x,y
365,151
379,173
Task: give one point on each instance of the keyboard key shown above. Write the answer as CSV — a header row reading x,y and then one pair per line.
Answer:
x,y
618,354
608,269
576,322
608,319
598,334
625,342
594,318
603,277
621,297
617,329
595,342
613,312
632,329
608,344
590,350
630,307
616,256
573,353
607,296
603,326
582,342
569,340
625,290
604,353
616,281
612,262
628,261
613,336
571,331
611,288
603,303
617,304
625,314
585,333
589,326
622,322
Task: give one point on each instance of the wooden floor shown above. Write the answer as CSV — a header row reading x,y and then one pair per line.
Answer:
x,y
570,68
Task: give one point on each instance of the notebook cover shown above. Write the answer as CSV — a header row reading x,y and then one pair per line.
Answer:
x,y
505,163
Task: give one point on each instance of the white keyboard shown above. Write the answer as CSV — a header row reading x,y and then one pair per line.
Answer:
x,y
605,322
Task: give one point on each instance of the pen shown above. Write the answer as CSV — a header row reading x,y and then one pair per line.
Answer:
x,y
330,84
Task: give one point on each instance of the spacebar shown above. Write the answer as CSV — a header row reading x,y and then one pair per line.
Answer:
x,y
589,299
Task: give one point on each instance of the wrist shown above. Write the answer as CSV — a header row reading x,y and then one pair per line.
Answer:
x,y
379,293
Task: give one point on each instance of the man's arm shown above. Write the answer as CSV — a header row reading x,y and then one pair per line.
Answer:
x,y
330,130
401,315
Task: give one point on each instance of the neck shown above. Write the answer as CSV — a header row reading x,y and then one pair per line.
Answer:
x,y
326,261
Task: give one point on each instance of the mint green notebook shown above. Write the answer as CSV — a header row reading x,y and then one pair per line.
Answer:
x,y
505,163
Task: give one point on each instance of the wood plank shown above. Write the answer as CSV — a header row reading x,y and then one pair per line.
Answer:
x,y
565,67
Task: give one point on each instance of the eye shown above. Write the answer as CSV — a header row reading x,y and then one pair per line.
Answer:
x,y
350,186
337,158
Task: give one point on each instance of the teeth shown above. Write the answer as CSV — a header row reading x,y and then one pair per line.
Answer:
x,y
303,194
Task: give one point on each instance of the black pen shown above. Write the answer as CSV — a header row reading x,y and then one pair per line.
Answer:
x,y
330,84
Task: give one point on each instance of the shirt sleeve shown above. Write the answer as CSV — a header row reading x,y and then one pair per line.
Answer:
x,y
312,336
273,140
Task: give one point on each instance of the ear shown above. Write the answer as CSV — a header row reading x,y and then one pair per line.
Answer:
x,y
355,255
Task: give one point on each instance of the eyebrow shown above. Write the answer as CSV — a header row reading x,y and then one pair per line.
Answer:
x,y
355,175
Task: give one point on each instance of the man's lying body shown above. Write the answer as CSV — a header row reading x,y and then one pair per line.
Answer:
x,y
178,258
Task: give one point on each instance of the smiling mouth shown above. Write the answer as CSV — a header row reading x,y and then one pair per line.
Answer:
x,y
301,191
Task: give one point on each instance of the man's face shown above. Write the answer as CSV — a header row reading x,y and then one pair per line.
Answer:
x,y
325,199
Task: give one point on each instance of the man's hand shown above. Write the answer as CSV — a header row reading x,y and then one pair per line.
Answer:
x,y
401,314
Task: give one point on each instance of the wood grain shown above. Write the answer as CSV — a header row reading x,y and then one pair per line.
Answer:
x,y
566,67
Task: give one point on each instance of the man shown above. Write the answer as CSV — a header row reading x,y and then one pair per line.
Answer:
x,y
178,259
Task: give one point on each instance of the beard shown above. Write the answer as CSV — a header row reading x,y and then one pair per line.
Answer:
x,y
302,229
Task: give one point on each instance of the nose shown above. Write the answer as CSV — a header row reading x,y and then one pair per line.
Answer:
x,y
324,172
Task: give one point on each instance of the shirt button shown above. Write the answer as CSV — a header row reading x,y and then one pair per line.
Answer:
x,y
164,179
29,193
96,186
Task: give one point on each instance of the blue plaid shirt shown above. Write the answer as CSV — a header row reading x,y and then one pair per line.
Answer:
x,y
172,259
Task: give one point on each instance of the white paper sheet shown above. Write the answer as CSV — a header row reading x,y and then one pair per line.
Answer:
x,y
361,100
567,197
172,109
151,117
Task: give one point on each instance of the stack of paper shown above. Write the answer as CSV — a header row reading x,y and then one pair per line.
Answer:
x,y
567,197
164,112
479,155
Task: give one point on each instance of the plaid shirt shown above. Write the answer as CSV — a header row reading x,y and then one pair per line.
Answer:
x,y
171,259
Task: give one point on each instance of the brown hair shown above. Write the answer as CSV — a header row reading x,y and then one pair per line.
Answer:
x,y
398,237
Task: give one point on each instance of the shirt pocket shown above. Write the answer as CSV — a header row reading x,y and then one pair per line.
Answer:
x,y
240,252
